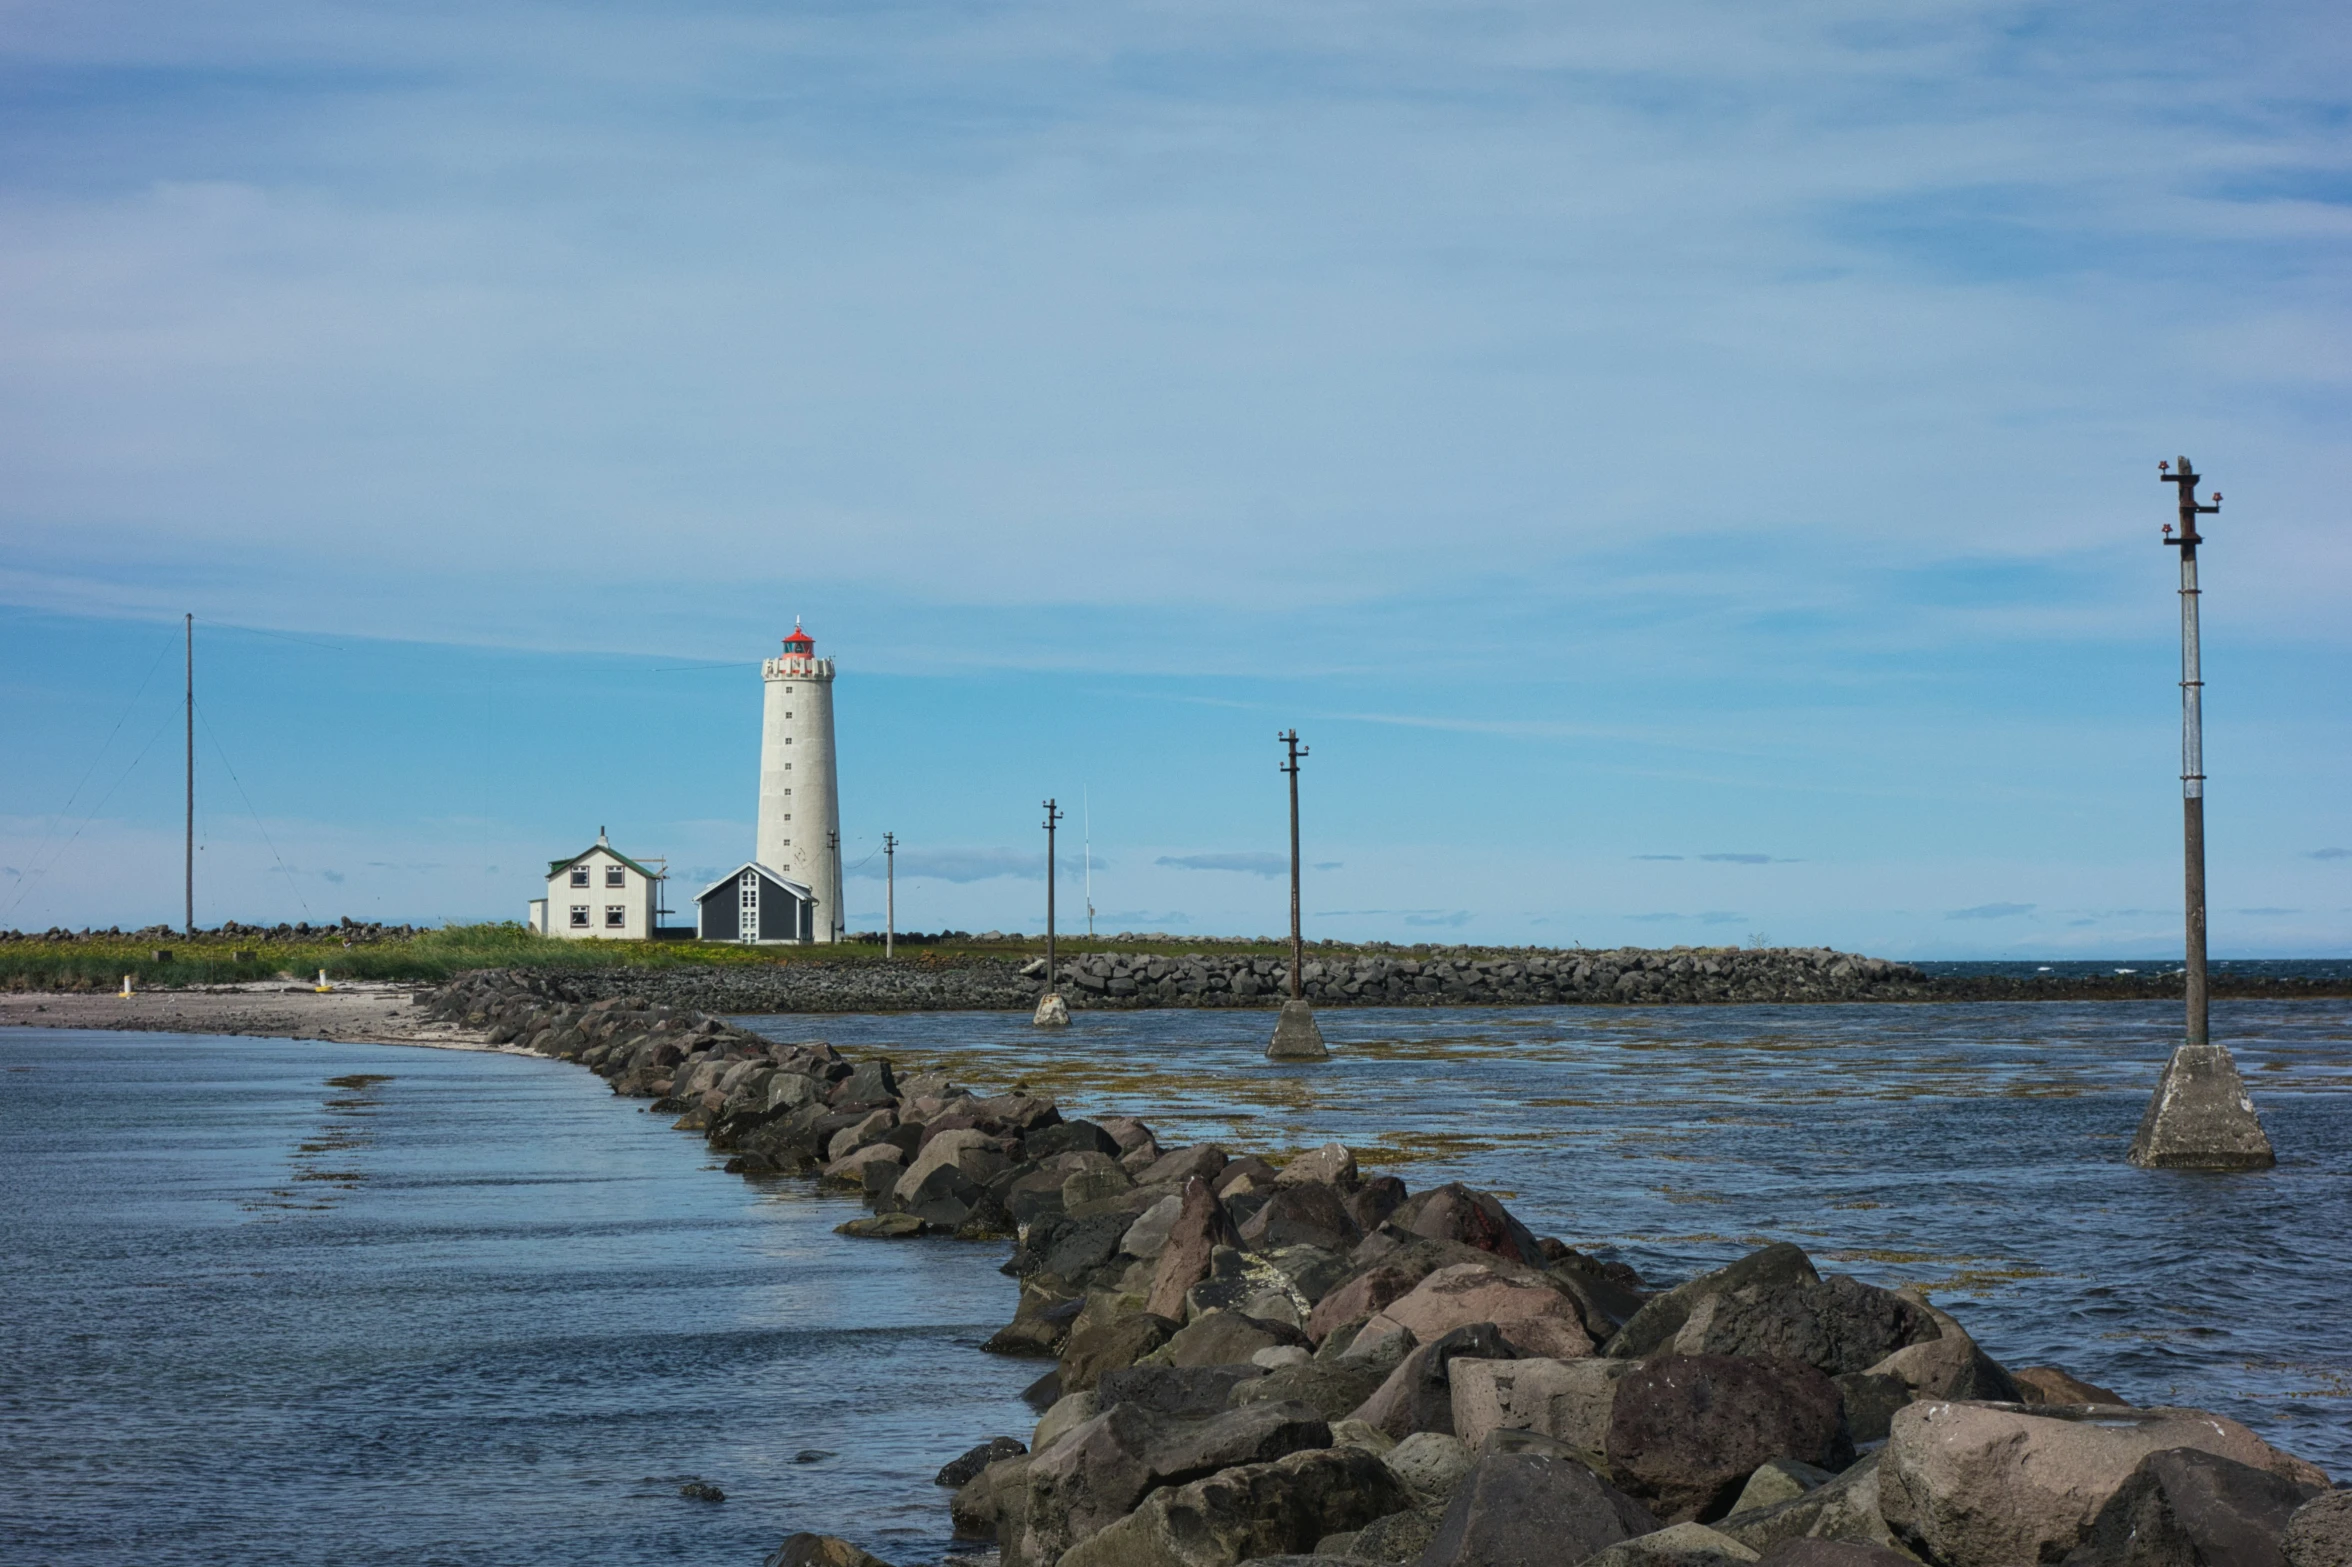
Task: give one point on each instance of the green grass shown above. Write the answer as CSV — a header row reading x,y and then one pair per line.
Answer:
x,y
99,961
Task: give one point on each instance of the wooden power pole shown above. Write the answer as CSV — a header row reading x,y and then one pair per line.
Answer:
x,y
1296,1036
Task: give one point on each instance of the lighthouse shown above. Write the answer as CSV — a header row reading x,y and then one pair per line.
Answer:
x,y
800,799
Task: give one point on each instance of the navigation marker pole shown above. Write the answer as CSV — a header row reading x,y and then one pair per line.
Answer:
x,y
1052,1010
2200,1117
889,895
1296,1038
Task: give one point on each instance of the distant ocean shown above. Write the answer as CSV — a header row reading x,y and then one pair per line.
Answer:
x,y
2026,968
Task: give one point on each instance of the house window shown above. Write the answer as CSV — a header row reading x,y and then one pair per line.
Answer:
x,y
788,816
616,916
579,875
579,916
614,876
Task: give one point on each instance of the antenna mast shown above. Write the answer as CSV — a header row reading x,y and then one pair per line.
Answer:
x,y
188,887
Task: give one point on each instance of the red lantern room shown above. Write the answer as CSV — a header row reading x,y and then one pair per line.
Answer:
x,y
800,644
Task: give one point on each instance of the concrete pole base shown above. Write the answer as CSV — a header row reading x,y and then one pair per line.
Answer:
x,y
1052,1011
2201,1117
1296,1038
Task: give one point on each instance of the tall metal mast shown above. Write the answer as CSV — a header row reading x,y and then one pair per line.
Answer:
x,y
188,911
2192,686
889,895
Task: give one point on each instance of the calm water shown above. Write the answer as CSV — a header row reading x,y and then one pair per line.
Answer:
x,y
481,1311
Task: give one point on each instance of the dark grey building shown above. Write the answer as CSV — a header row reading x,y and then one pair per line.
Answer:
x,y
753,904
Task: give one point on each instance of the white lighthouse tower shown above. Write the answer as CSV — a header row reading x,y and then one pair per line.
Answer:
x,y
800,797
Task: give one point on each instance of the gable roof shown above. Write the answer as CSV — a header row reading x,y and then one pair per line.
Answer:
x,y
556,867
805,893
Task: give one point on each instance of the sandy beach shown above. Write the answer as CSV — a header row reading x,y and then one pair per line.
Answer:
x,y
356,1012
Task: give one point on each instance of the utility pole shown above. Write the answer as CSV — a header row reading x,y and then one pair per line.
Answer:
x,y
2201,1117
188,887
1052,1010
2192,687
889,895
1296,1036
1290,739
833,853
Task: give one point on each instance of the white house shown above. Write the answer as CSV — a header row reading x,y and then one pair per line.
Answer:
x,y
754,905
598,892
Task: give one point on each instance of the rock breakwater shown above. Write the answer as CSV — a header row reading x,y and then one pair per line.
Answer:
x,y
1252,1358
1622,976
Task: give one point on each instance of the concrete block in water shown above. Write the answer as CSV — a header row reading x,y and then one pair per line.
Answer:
x,y
1296,1038
2201,1118
1052,1012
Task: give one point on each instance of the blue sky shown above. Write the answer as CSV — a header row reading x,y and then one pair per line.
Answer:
x,y
1690,474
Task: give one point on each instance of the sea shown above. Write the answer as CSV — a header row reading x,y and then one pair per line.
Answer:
x,y
281,1300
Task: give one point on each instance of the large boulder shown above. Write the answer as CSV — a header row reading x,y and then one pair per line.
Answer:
x,y
1686,1431
1453,1212
962,1470
1200,1162
1334,1388
1250,1283
1418,1395
1532,1510
978,1507
1330,1165
1096,1348
1837,1326
1184,1391
1662,1316
1368,1291
1302,1213
1223,1338
1535,1317
2320,1533
1567,1399
2184,1508
1843,1509
1201,1226
1990,1485
1249,1511
1095,1474
1430,1463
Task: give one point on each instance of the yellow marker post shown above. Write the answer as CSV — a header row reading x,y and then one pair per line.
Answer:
x,y
125,993
323,986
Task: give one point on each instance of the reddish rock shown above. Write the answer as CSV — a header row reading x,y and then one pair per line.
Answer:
x,y
1453,1212
1201,1227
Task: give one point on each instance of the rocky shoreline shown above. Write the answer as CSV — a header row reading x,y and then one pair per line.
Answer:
x,y
1127,981
1297,1363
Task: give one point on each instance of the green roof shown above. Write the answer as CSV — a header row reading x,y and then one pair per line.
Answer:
x,y
554,866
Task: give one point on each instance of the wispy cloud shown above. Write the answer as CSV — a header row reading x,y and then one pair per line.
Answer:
x,y
1454,917
1745,859
1991,911
1657,856
1329,865
2266,913
2329,854
1249,864
958,865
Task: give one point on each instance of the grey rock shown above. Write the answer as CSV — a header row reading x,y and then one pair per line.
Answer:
x,y
1335,1389
2183,1508
1418,1395
2320,1533
1532,1510
1429,1463
1837,1326
1686,1431
961,1471
1185,1391
1248,1511
1659,1320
